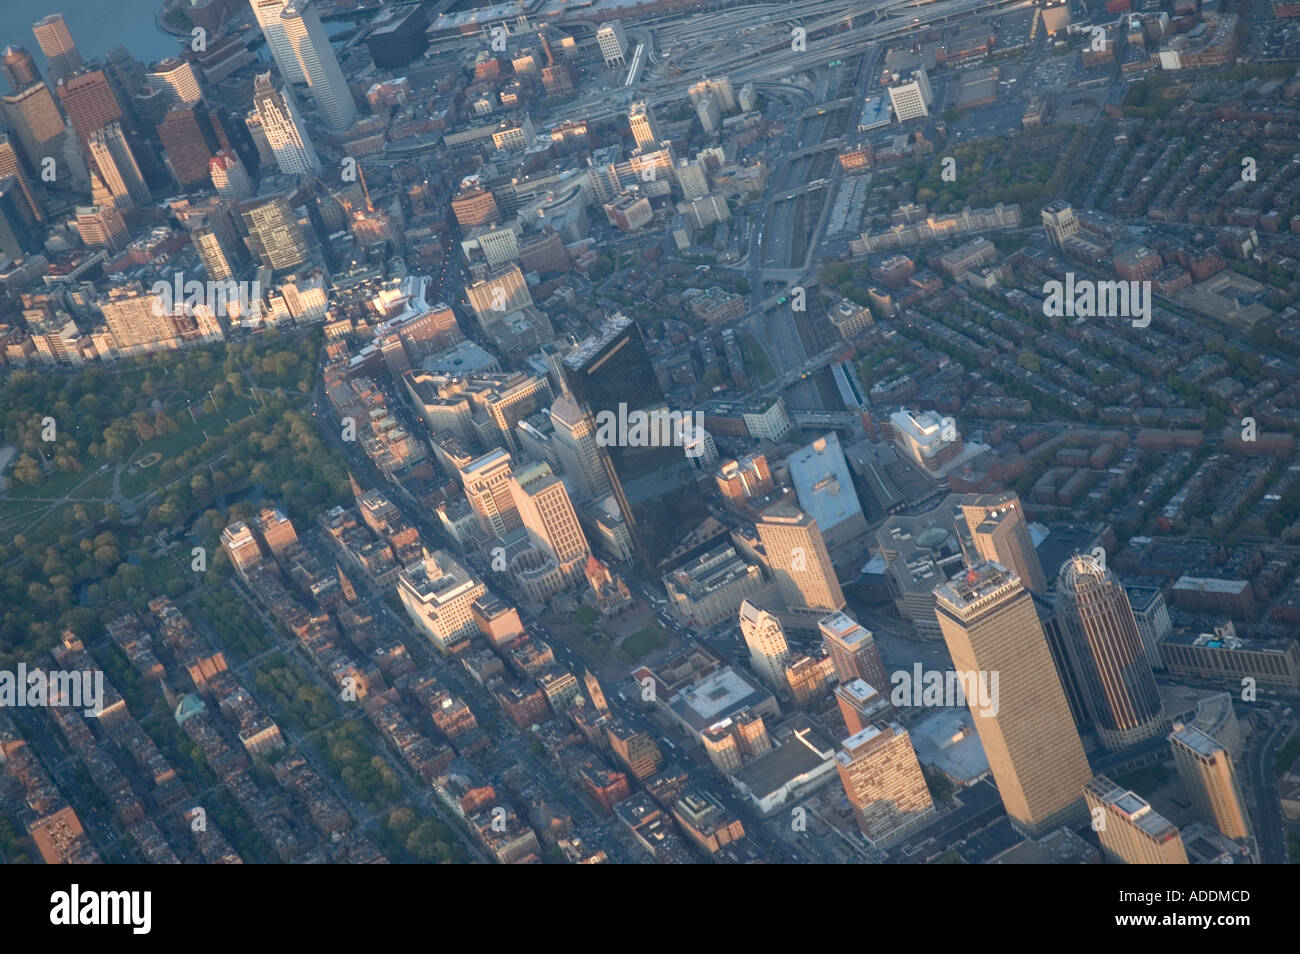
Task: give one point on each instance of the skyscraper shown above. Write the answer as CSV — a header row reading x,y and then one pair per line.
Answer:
x,y
282,128
11,165
1105,651
191,139
229,177
100,225
486,481
1050,618
305,35
1129,831
113,160
800,564
989,624
860,705
1059,221
274,237
18,67
612,43
218,261
16,236
549,517
1208,775
883,780
853,650
654,486
268,18
178,78
768,650
89,101
575,446
1001,534
645,130
56,43
37,122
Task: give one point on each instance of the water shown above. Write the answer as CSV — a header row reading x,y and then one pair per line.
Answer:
x,y
96,26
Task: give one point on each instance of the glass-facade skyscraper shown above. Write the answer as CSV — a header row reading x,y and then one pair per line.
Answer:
x,y
1106,653
654,486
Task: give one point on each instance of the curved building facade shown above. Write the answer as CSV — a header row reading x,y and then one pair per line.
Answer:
x,y
1106,652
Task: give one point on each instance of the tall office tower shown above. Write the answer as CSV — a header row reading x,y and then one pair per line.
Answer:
x,y
988,621
1059,221
487,488
102,226
274,236
89,101
151,105
56,43
1057,637
1207,773
283,129
860,705
574,440
305,35
883,780
16,236
800,564
11,164
1105,651
125,73
277,41
178,78
1000,533
191,140
610,376
19,68
645,130
597,694
853,650
911,99
218,261
612,43
257,135
1129,831
116,164
768,650
229,177
242,548
549,517
276,529
38,124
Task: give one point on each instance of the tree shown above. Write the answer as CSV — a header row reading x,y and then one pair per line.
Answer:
x,y
27,472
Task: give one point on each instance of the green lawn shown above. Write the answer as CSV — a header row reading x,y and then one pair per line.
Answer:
x,y
597,651
756,358
645,641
